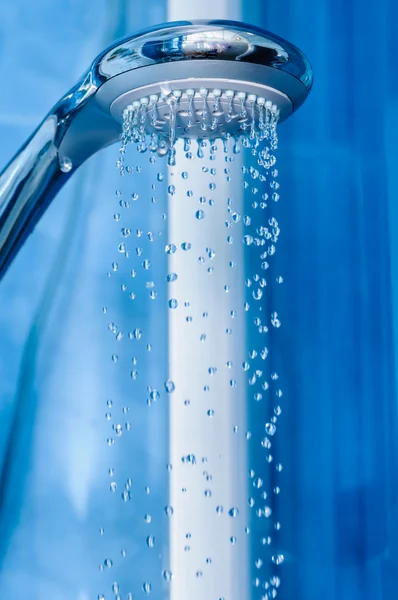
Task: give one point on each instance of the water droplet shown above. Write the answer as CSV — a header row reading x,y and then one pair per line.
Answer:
x,y
278,559
125,232
154,395
173,303
171,190
210,412
118,429
208,493
169,510
170,248
167,575
219,510
200,214
270,428
65,164
115,588
233,540
267,512
122,248
150,541
169,386
147,588
257,483
186,246
171,277
108,563
189,458
146,264
233,512
147,518
248,240
274,320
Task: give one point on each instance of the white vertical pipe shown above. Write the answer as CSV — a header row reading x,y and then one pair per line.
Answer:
x,y
192,430
205,9
195,522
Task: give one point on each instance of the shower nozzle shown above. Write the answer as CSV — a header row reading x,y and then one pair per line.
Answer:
x,y
216,72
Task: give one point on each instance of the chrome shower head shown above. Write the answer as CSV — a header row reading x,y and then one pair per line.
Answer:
x,y
234,66
225,61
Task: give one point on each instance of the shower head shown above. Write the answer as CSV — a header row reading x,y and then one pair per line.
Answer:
x,y
229,66
220,61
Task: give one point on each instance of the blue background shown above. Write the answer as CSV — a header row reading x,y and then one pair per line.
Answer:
x,y
339,303
338,257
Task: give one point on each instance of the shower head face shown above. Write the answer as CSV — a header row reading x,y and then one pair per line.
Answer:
x,y
175,58
198,113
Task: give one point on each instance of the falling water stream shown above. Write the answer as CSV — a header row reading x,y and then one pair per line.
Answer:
x,y
195,253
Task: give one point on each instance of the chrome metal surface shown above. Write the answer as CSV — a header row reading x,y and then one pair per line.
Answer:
x,y
82,123
205,40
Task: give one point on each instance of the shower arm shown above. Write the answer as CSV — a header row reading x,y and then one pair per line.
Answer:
x,y
88,117
27,186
